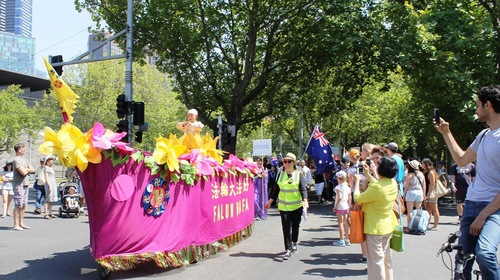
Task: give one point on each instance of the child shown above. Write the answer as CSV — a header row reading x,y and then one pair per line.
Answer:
x,y
72,199
341,208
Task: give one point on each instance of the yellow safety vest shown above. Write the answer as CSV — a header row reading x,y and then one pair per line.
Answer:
x,y
289,197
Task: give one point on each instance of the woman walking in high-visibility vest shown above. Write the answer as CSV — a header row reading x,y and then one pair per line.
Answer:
x,y
292,202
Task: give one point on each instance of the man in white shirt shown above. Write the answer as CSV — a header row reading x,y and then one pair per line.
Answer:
x,y
480,222
308,180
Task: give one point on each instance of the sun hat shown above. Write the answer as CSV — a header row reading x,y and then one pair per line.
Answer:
x,y
291,156
193,111
47,158
414,164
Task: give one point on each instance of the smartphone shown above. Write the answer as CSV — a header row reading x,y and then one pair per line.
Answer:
x,y
360,168
368,162
437,117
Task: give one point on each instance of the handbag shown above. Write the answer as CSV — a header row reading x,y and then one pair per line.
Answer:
x,y
438,191
396,242
356,234
399,203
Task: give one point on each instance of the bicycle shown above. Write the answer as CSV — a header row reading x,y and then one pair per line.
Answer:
x,y
460,260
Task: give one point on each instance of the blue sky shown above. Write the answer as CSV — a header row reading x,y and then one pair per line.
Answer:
x,y
59,29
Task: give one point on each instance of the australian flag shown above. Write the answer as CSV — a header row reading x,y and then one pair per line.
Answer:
x,y
320,151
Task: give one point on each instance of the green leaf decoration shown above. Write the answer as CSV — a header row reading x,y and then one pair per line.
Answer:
x,y
150,162
188,178
138,156
107,153
174,177
163,174
116,158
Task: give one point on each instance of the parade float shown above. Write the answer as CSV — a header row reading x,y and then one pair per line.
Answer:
x,y
176,205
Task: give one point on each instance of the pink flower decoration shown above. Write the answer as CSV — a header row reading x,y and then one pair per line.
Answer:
x,y
105,139
202,164
217,167
252,166
234,162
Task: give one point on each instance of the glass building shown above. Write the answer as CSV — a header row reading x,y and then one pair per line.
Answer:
x,y
17,46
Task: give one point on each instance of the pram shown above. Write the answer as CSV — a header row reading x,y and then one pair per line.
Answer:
x,y
70,200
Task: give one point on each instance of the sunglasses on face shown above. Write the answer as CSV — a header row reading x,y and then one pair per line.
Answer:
x,y
287,161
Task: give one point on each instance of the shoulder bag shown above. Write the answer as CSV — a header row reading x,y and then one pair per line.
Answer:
x,y
356,234
438,191
397,244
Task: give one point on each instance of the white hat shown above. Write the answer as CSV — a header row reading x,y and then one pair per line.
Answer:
x,y
49,157
193,111
341,174
414,164
291,156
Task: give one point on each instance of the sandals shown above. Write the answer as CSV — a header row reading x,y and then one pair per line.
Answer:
x,y
46,217
52,216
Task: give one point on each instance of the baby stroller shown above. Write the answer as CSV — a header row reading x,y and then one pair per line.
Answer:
x,y
70,200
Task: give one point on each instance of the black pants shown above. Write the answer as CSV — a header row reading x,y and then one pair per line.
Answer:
x,y
290,223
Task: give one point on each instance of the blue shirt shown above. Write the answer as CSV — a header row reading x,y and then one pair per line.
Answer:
x,y
400,176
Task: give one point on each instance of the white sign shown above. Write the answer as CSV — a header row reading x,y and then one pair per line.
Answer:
x,y
262,147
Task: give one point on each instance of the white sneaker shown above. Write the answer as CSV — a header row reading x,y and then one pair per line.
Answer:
x,y
287,255
295,249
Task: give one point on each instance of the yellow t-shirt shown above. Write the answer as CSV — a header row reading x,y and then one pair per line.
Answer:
x,y
377,203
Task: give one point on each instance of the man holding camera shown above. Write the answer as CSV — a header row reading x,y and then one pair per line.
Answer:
x,y
480,222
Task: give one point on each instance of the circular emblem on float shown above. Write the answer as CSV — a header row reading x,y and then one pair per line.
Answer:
x,y
156,196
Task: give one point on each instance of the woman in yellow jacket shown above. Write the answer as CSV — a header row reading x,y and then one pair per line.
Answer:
x,y
379,219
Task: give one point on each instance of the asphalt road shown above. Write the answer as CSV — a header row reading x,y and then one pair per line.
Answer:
x,y
57,249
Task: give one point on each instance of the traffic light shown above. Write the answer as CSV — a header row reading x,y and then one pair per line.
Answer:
x,y
56,59
121,106
122,126
224,137
139,113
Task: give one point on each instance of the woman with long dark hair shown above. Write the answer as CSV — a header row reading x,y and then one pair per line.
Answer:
x,y
414,189
430,180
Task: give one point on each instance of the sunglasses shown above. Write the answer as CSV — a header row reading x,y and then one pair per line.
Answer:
x,y
287,161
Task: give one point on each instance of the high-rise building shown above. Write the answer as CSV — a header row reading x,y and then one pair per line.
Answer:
x,y
17,47
17,16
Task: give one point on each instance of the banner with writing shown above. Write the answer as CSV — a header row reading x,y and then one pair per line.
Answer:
x,y
133,212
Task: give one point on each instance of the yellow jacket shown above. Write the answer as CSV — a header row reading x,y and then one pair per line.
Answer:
x,y
377,203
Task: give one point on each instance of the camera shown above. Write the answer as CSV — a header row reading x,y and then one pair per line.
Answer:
x,y
360,168
368,162
437,117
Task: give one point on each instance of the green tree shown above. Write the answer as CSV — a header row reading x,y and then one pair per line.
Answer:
x,y
448,50
16,118
227,57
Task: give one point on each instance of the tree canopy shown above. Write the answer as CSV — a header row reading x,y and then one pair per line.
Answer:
x,y
316,61
16,118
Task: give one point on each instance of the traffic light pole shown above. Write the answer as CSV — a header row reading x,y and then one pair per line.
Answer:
x,y
128,70
128,56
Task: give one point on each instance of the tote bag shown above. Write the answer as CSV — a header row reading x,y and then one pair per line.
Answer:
x,y
397,244
357,235
439,191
